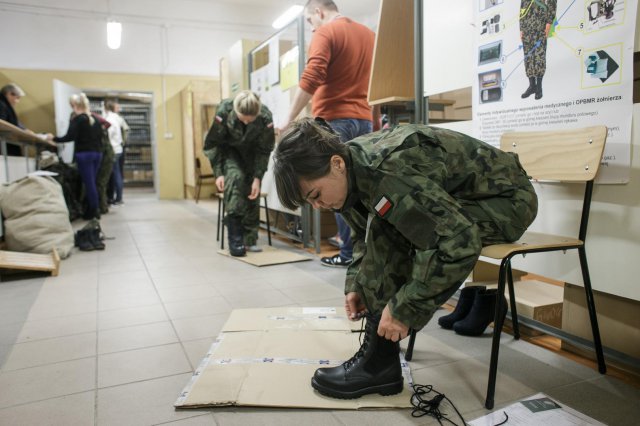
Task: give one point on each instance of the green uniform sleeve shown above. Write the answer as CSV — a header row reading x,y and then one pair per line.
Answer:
x,y
266,142
446,243
358,225
213,142
551,5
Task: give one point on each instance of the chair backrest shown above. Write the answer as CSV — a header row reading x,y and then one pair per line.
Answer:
x,y
560,155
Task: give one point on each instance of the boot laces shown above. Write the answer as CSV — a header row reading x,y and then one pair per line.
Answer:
x,y
364,343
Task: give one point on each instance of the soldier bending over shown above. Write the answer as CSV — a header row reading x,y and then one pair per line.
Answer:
x,y
238,145
421,203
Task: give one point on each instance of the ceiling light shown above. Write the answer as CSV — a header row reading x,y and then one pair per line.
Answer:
x,y
287,16
114,34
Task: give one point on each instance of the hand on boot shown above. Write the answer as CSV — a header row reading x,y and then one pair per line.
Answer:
x,y
390,328
354,306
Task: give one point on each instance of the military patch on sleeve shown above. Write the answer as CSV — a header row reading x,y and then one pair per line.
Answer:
x,y
218,119
383,206
270,125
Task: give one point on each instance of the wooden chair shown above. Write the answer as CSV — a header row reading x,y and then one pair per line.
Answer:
x,y
221,213
199,178
560,156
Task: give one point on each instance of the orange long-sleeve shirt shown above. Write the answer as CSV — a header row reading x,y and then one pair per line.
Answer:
x,y
338,70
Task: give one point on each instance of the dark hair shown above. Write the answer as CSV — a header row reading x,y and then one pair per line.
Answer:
x,y
110,105
304,152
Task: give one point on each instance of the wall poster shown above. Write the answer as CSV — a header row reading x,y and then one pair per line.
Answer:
x,y
556,64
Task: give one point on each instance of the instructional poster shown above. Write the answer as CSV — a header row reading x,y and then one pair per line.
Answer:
x,y
556,64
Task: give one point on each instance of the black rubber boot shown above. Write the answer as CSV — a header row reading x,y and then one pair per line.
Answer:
x,y
236,237
531,89
82,240
375,368
538,87
465,302
481,315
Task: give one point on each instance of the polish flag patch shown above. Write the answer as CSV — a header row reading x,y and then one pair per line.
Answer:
x,y
218,119
383,206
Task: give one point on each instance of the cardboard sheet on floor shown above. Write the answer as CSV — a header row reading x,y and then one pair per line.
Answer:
x,y
269,256
270,362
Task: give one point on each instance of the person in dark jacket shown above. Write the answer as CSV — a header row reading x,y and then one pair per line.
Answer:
x,y
10,95
86,131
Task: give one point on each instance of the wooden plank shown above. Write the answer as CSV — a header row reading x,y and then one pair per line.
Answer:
x,y
30,261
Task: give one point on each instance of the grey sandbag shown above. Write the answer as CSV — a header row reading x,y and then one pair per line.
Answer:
x,y
36,216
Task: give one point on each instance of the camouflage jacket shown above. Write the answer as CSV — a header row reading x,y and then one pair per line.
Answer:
x,y
250,145
538,11
406,189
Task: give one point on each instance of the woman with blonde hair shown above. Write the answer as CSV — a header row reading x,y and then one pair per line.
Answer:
x,y
87,134
238,146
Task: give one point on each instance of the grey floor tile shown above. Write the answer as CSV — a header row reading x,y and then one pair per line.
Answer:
x,y
72,410
141,364
199,327
131,316
197,349
48,381
57,327
200,420
275,417
48,351
195,308
144,403
135,337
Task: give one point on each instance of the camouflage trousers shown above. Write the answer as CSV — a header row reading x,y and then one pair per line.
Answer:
x,y
534,45
237,187
388,262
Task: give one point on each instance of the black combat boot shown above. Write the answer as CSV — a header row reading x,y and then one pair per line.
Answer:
x,y
236,238
95,240
375,368
82,240
482,313
531,89
538,87
465,302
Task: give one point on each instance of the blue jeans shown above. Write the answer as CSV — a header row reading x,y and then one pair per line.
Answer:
x,y
88,165
116,175
347,129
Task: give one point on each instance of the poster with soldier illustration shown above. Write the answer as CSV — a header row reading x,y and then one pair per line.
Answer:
x,y
556,64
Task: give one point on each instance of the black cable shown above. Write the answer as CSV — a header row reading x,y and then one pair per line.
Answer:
x,y
422,406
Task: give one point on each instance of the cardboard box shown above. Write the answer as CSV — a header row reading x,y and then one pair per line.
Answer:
x,y
618,320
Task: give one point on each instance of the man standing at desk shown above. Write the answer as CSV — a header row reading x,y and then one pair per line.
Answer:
x,y
337,78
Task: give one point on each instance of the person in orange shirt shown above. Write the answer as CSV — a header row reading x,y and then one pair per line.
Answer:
x,y
336,79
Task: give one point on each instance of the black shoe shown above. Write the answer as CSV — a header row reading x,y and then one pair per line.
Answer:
x,y
336,261
465,302
95,240
531,89
538,87
481,315
82,240
375,368
236,237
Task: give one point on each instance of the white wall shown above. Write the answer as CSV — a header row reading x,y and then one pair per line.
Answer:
x,y
185,37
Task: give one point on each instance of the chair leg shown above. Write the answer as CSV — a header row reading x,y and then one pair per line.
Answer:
x,y
597,343
198,186
219,219
266,215
222,223
512,300
498,321
412,340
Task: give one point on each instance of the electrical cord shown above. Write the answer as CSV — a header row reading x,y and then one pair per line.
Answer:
x,y
423,406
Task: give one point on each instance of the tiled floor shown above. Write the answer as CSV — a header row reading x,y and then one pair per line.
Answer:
x,y
114,338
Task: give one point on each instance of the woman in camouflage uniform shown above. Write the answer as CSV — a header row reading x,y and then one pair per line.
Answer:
x,y
238,145
421,203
